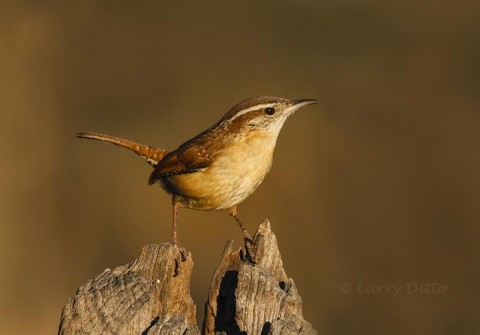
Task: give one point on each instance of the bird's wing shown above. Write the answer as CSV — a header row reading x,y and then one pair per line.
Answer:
x,y
186,159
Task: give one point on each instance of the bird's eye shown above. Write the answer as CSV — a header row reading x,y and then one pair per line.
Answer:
x,y
270,111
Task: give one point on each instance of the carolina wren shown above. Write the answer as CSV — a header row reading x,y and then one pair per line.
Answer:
x,y
222,166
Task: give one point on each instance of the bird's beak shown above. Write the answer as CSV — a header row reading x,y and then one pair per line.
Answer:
x,y
303,102
297,104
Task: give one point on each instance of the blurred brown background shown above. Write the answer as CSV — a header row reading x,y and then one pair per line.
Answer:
x,y
378,184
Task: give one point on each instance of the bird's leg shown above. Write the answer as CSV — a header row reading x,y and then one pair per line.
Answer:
x,y
183,251
249,243
246,235
174,226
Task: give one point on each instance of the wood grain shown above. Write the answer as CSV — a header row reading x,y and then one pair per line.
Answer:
x,y
151,295
148,296
259,298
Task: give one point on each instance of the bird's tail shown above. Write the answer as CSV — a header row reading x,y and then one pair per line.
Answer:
x,y
150,154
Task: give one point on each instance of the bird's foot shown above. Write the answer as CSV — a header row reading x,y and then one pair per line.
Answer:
x,y
179,258
248,239
249,249
183,253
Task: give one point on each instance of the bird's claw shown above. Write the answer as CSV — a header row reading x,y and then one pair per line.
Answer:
x,y
180,258
249,252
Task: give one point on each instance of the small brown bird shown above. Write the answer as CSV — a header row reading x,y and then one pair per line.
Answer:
x,y
222,166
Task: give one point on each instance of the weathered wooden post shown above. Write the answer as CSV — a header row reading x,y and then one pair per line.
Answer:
x,y
151,295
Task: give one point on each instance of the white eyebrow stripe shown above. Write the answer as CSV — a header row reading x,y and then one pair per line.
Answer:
x,y
251,109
